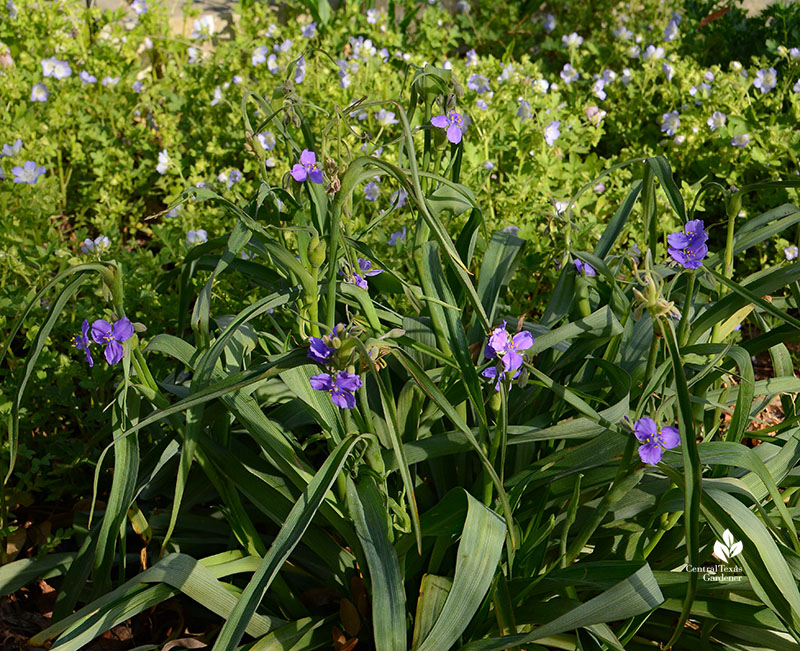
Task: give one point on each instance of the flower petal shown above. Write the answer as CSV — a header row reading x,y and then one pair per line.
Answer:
x,y
343,399
670,437
100,328
114,352
348,381
315,175
308,157
454,134
512,361
696,228
122,330
678,240
439,121
650,453
523,340
321,382
644,428
299,173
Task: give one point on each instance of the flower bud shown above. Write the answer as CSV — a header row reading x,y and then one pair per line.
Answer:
x,y
496,402
316,252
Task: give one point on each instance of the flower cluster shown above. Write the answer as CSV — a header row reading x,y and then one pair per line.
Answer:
x,y
688,247
340,384
105,334
505,348
655,440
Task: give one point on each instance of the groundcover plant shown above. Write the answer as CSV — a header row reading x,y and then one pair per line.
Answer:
x,y
392,443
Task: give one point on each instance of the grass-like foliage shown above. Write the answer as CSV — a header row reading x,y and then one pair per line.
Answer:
x,y
389,453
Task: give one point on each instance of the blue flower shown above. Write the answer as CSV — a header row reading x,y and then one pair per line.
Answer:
x,y
655,441
112,336
310,30
672,121
340,388
196,237
478,83
766,80
11,150
584,268
29,173
453,123
81,342
39,93
552,132
397,237
688,247
371,191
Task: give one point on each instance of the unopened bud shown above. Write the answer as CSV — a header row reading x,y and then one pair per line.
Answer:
x,y
316,252
496,401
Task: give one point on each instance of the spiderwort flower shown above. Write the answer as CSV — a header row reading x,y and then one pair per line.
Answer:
x,y
453,122
505,347
584,268
29,173
112,336
365,268
81,342
655,441
319,351
397,237
766,79
552,132
39,93
307,168
688,247
340,388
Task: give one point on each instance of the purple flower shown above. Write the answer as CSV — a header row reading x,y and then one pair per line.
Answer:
x,y
111,336
742,140
398,198
81,342
668,70
671,30
139,7
453,122
397,237
653,52
716,121
266,139
11,150
478,83
310,30
365,268
137,86
569,74
688,247
505,347
319,351
300,70
340,388
549,23
598,89
259,55
672,121
29,173
217,98
552,132
385,118
371,191
573,40
234,177
791,252
39,93
655,440
584,268
307,168
766,79
524,111
196,237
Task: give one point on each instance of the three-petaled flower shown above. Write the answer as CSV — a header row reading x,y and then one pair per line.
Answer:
x,y
453,122
364,269
688,248
340,387
655,441
501,345
112,336
81,342
307,168
319,350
